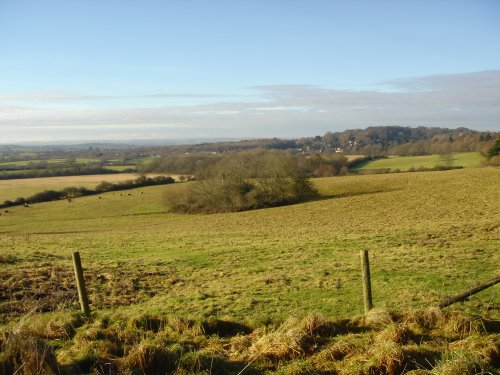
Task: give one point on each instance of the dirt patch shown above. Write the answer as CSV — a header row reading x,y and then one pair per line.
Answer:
x,y
46,287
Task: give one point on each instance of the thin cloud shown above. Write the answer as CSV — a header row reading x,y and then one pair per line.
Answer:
x,y
470,100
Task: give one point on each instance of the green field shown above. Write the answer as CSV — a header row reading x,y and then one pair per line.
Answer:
x,y
403,163
49,161
12,189
258,284
121,167
430,235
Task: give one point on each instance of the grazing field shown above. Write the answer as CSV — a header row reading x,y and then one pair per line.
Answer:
x,y
12,189
403,163
23,163
430,235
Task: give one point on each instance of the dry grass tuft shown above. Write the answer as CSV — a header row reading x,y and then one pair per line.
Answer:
x,y
289,341
389,358
25,352
398,333
427,319
377,318
460,363
343,347
487,347
313,323
463,325
56,326
239,345
284,343
180,325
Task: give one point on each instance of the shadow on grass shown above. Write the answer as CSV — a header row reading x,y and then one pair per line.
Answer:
x,y
224,328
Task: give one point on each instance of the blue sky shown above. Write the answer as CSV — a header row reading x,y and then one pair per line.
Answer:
x,y
116,70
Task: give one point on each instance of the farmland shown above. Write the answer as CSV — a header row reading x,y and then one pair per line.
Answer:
x,y
429,235
24,163
43,164
11,189
404,163
282,260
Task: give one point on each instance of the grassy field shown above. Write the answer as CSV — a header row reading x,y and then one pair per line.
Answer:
x,y
49,161
121,167
403,163
430,235
11,189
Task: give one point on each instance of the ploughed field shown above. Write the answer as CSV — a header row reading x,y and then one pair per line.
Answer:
x,y
429,234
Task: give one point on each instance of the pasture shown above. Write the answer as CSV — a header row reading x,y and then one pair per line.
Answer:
x,y
257,292
23,163
429,235
404,163
12,189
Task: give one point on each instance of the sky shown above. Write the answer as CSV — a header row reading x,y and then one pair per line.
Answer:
x,y
114,70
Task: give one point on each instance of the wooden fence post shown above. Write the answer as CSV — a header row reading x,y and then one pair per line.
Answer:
x,y
80,284
367,287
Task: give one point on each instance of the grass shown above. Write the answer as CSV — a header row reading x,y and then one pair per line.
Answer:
x,y
49,161
418,341
121,167
403,163
429,234
203,292
11,189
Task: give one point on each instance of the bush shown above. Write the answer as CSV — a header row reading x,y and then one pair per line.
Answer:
x,y
243,182
46,196
494,150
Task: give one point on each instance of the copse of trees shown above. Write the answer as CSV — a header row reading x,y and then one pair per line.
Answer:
x,y
244,181
310,165
324,164
493,152
398,140
187,164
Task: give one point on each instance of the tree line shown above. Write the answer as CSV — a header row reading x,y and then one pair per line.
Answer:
x,y
377,140
76,170
323,164
75,192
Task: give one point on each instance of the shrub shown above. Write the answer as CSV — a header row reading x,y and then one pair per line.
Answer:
x,y
494,150
46,196
245,181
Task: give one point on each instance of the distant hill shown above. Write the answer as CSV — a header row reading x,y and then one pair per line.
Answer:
x,y
379,140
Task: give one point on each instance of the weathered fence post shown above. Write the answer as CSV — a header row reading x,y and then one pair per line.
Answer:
x,y
367,287
80,284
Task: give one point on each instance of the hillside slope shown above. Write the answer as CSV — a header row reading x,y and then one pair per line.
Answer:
x,y
429,235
